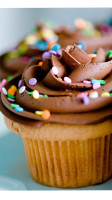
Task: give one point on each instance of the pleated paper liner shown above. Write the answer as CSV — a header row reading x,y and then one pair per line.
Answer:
x,y
63,156
70,164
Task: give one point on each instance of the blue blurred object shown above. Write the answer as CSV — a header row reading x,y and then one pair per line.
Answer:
x,y
56,47
42,45
94,52
108,20
82,44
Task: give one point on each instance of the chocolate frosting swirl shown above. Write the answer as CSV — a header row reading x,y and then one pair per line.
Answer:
x,y
12,66
62,100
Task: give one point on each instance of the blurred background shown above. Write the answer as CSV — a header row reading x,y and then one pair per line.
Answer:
x,y
15,23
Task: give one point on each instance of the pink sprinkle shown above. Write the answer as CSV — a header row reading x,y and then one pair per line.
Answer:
x,y
85,81
67,80
55,70
25,58
82,94
2,84
4,81
0,87
96,86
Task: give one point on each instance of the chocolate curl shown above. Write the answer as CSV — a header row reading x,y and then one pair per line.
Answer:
x,y
100,56
90,70
79,55
69,60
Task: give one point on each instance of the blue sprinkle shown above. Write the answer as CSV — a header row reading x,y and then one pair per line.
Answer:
x,y
110,21
94,52
19,109
56,47
95,81
82,44
42,45
32,58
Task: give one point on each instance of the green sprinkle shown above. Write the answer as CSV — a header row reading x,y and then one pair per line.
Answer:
x,y
91,78
45,95
22,49
109,53
9,78
51,24
110,94
14,105
11,96
87,32
35,29
6,57
102,82
30,93
11,55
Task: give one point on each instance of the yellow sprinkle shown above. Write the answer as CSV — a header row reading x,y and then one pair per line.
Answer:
x,y
105,94
38,112
47,33
89,25
45,114
14,87
96,33
31,39
35,94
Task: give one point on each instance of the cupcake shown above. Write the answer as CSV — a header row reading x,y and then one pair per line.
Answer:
x,y
42,38
63,110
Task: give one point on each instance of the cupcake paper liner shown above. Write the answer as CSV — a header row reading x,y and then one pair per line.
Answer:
x,y
63,160
68,164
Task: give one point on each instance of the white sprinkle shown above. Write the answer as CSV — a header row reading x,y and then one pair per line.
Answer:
x,y
79,46
22,89
55,70
93,95
4,90
35,94
67,79
68,48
